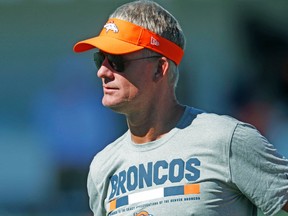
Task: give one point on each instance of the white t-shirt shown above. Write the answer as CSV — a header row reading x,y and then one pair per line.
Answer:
x,y
208,165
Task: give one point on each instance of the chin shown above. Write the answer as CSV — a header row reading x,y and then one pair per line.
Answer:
x,y
116,107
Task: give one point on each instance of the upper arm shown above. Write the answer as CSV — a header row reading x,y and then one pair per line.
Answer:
x,y
258,170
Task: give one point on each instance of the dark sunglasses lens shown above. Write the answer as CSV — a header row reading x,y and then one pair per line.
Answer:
x,y
99,59
116,62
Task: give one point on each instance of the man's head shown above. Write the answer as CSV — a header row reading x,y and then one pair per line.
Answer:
x,y
142,28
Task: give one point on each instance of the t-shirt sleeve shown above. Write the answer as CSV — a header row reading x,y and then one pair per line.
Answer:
x,y
258,170
94,198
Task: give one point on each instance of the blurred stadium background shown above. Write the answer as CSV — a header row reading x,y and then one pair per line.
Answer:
x,y
52,122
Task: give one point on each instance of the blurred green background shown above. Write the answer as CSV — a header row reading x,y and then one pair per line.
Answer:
x,y
52,122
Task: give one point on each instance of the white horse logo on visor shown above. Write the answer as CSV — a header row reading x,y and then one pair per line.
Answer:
x,y
111,26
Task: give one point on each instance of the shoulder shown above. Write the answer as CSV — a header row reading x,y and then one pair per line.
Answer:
x,y
213,123
247,138
213,118
108,156
241,132
218,120
209,129
238,133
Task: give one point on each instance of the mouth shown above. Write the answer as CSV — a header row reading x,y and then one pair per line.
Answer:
x,y
108,89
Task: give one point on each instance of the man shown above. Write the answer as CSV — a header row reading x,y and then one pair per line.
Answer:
x,y
174,159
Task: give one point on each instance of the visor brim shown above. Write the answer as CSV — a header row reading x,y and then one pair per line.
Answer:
x,y
108,45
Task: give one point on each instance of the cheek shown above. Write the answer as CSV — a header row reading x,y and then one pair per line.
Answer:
x,y
135,86
131,91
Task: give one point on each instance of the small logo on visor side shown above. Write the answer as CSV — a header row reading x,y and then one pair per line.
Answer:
x,y
111,26
154,42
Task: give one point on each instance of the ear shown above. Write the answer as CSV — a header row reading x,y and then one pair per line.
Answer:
x,y
162,69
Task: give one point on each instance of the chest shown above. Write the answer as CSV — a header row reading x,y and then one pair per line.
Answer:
x,y
185,181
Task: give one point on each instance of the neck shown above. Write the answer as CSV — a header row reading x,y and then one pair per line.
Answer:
x,y
151,124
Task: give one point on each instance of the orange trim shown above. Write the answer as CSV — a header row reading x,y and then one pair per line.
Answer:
x,y
112,205
192,189
127,37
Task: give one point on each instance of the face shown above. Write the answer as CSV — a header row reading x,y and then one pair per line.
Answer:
x,y
132,88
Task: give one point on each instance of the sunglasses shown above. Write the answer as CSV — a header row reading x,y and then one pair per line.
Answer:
x,y
115,61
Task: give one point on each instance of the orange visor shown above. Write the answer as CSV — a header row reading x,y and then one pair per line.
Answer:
x,y
121,37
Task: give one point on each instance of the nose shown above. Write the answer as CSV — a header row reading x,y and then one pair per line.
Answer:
x,y
105,72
